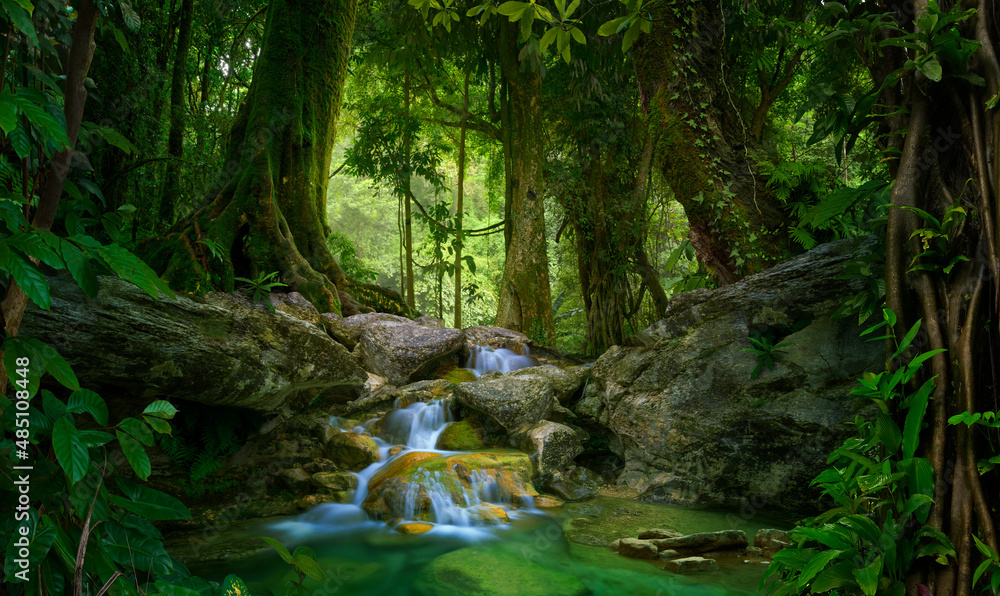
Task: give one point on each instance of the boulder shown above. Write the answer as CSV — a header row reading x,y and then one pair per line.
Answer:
x,y
350,450
335,481
460,436
508,402
355,324
690,423
405,352
413,528
566,488
295,304
689,564
564,383
554,445
296,480
496,337
637,549
335,328
216,350
659,534
704,542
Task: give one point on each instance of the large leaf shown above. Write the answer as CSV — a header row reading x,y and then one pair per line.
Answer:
x,y
30,280
915,418
39,543
138,429
21,19
131,268
868,576
148,502
17,350
836,576
161,409
233,586
309,566
69,448
815,565
135,453
282,551
135,550
85,400
79,266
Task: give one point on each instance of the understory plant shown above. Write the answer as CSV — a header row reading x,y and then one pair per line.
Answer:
x,y
881,492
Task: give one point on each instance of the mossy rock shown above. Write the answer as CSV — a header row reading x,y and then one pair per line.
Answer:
x,y
485,571
460,436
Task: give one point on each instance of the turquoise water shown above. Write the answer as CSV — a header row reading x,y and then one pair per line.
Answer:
x,y
536,554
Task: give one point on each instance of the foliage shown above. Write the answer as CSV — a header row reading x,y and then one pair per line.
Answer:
x,y
765,352
881,491
692,277
346,254
203,436
260,287
303,562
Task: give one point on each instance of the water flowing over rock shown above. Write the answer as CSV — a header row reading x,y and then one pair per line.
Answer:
x,y
405,352
691,424
216,350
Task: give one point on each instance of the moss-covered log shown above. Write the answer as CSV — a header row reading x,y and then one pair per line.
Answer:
x,y
703,146
269,211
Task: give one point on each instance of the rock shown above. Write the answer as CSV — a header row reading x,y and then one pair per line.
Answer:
x,y
493,571
351,451
704,542
562,486
668,554
310,501
335,328
335,481
413,528
545,502
689,564
496,337
296,480
405,352
460,436
320,464
693,427
215,350
615,545
555,445
659,534
564,384
489,514
508,402
771,541
294,304
637,549
427,321
354,325
396,450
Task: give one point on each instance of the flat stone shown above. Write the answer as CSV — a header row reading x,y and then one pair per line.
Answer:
x,y
705,542
413,528
659,534
689,564
637,549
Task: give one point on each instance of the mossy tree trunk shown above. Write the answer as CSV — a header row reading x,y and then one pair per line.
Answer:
x,y
703,146
269,211
175,138
525,297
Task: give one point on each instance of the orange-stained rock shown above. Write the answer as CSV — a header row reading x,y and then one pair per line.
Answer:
x,y
413,528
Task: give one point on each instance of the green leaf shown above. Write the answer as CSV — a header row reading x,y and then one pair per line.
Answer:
x,y
114,138
135,453
915,418
85,400
21,19
129,15
888,432
907,340
611,27
161,409
94,438
31,281
33,245
137,429
508,9
70,451
170,590
234,586
20,139
815,565
148,502
836,576
869,576
8,112
130,268
578,36
282,551
309,566
157,424
79,267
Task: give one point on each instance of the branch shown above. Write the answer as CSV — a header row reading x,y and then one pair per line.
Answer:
x,y
473,122
480,231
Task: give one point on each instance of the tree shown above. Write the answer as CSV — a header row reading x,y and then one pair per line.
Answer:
x,y
175,138
268,213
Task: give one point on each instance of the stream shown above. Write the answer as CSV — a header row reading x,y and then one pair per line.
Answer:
x,y
540,552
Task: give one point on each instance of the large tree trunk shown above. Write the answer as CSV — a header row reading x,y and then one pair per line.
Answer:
x,y
703,147
946,161
175,138
525,297
270,212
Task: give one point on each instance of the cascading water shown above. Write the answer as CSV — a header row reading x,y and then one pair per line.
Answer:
x,y
417,427
485,358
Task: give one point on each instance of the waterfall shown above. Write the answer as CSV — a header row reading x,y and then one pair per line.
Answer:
x,y
485,358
